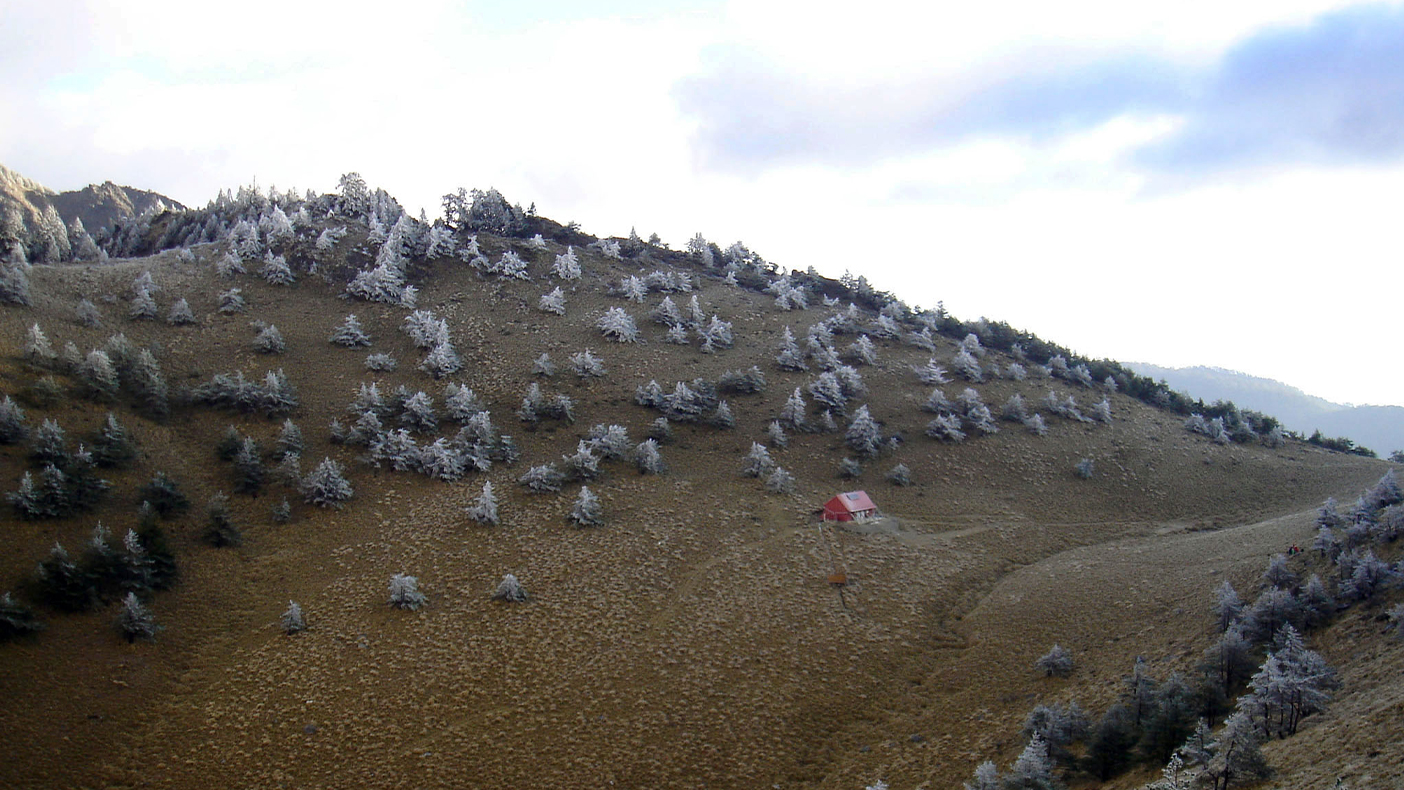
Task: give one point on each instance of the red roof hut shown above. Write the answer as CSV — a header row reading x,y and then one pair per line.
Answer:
x,y
850,506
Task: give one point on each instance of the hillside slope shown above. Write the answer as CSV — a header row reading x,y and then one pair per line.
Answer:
x,y
691,641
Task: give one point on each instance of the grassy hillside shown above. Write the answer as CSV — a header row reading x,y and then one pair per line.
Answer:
x,y
693,639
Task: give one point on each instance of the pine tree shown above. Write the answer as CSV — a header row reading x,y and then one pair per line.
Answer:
x,y
136,621
647,458
789,356
248,468
276,270
1228,607
143,307
553,302
327,486
350,334
62,585
88,315
780,482
1033,770
1057,662
863,435
180,314
37,348
99,375
220,529
270,341
484,508
289,441
113,445
510,590
542,479
567,266
587,365
16,619
293,620
618,326
586,511
12,427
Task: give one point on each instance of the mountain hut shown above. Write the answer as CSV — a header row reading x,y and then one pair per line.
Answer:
x,y
850,506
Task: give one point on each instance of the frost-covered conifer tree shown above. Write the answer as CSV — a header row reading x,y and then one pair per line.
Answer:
x,y
587,365
946,427
12,417
143,307
510,590
758,462
418,415
666,313
88,315
293,620
231,301
863,435
542,479
827,390
350,333
99,376
586,510
229,265
790,357
276,270
967,366
583,464
442,361
793,413
932,373
404,592
634,289
618,326
862,352
1057,662
553,302
779,481
511,266
327,486
380,362
567,266
14,282
180,314
716,334
647,458
37,348
484,508
135,621
270,341
775,433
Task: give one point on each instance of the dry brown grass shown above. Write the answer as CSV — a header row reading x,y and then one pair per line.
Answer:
x,y
691,642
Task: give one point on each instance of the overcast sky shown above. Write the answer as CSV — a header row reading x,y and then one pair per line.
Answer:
x,y
1190,183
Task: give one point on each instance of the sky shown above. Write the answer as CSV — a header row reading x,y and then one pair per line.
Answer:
x,y
1190,183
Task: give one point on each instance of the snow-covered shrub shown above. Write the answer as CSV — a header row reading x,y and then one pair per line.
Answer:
x,y
404,592
542,479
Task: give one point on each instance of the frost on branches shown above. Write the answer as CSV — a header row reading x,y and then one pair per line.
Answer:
x,y
618,326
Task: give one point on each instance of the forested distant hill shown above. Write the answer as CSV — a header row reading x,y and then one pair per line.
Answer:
x,y
1380,428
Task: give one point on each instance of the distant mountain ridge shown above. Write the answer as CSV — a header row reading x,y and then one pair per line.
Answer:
x,y
1380,428
28,207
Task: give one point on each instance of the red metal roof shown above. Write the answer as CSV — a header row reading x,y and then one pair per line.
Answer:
x,y
850,502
